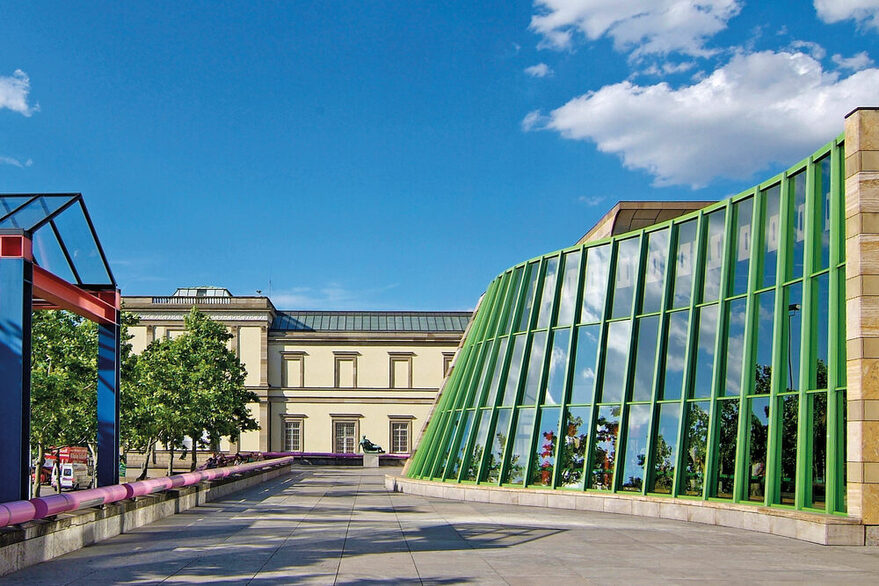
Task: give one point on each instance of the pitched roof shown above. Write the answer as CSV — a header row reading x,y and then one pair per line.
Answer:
x,y
371,321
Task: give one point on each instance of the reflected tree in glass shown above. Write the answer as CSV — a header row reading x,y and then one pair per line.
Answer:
x,y
697,448
572,459
665,448
789,425
476,453
604,453
496,456
819,449
636,448
543,458
518,464
757,444
726,447
454,466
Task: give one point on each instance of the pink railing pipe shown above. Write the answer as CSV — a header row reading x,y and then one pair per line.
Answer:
x,y
45,506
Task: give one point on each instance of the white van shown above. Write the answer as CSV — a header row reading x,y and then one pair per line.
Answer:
x,y
75,476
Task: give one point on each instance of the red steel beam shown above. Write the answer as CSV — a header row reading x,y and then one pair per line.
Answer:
x,y
61,294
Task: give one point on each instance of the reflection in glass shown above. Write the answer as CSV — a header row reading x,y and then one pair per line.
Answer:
x,y
616,360
48,254
535,367
822,210
543,459
558,361
713,255
684,261
675,355
741,246
528,300
501,346
818,402
604,453
789,417
520,447
455,464
510,301
705,339
81,245
759,434
726,447
573,456
584,364
696,447
478,383
440,464
654,271
665,448
513,370
822,309
772,226
568,295
628,257
765,327
794,328
595,287
735,346
799,232
498,443
636,448
548,294
645,358
478,449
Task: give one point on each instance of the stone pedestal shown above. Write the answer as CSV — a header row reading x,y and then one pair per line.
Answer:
x,y
370,460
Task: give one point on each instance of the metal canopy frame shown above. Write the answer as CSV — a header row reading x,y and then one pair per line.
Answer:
x,y
43,239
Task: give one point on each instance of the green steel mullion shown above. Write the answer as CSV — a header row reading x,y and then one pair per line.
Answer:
x,y
485,311
449,409
698,271
834,480
499,305
424,457
465,393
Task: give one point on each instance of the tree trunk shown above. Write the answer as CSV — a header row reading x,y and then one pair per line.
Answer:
x,y
170,460
38,469
93,450
146,461
58,469
194,464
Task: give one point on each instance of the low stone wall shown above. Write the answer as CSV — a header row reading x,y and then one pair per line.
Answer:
x,y
44,539
813,527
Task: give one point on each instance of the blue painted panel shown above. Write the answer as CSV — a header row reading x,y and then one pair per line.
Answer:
x,y
108,403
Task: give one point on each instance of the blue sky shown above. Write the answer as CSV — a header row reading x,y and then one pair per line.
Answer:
x,y
398,155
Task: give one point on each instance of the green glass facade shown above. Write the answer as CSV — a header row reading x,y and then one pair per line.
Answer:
x,y
701,358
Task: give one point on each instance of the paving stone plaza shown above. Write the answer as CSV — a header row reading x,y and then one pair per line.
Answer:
x,y
340,526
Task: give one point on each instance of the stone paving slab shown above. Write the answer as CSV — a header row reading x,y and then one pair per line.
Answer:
x,y
340,526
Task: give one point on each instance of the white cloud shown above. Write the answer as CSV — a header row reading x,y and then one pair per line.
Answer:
x,y
667,68
732,123
639,26
14,91
533,120
539,70
15,162
854,63
864,12
813,49
331,296
591,200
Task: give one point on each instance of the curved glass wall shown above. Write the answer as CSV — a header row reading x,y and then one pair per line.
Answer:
x,y
699,358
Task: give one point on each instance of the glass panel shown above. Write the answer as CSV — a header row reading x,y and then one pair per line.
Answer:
x,y
446,445
645,358
735,346
36,211
654,271
573,456
81,246
705,352
478,381
697,447
472,471
501,345
11,202
528,300
595,287
454,467
799,233
628,256
675,355
544,448
726,447
822,300
513,371
665,448
510,301
535,368
584,364
758,435
558,362
636,448
818,407
741,247
568,295
499,441
520,448
789,418
771,227
616,360
548,294
713,254
765,327
684,259
604,453
48,254
822,210
794,328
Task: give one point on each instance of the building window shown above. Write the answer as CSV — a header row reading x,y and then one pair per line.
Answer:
x,y
400,433
400,370
346,369
448,357
345,436
293,435
293,369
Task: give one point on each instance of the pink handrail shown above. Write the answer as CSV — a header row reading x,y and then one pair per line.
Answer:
x,y
17,512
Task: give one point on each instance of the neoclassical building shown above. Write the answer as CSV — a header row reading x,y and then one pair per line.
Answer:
x,y
714,362
324,378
